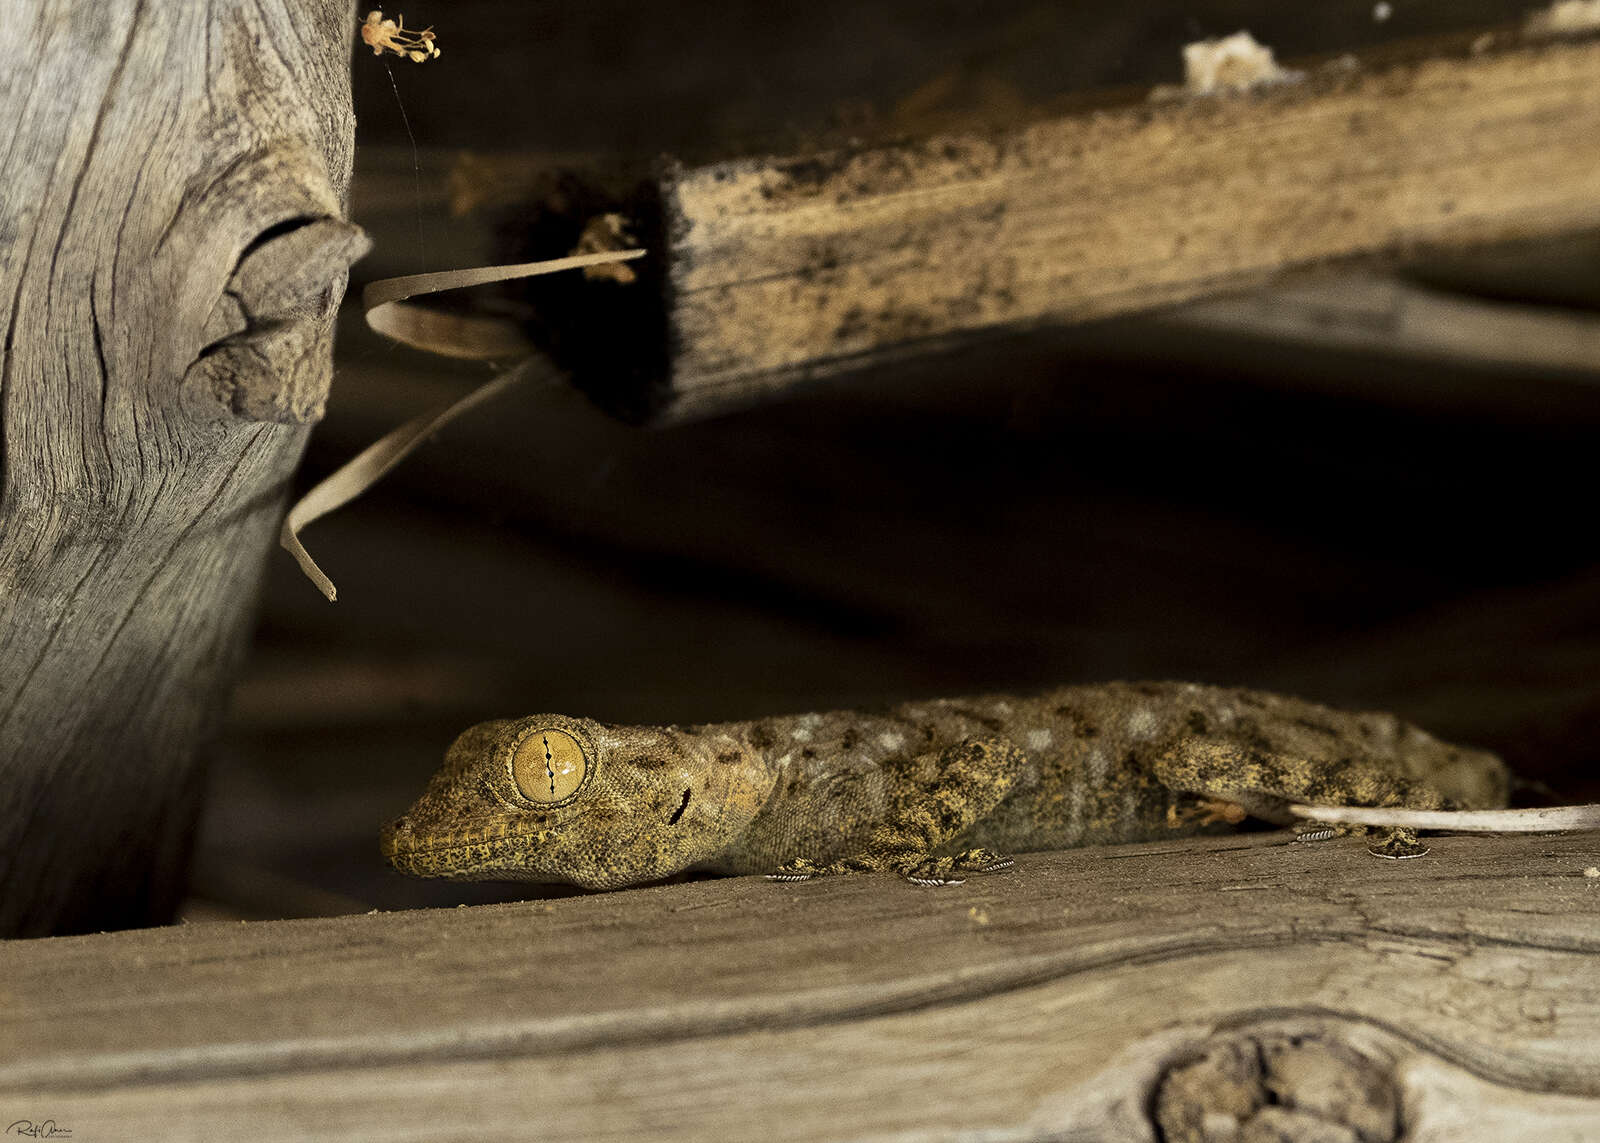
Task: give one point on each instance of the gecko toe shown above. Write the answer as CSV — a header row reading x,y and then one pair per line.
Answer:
x,y
954,870
930,871
797,869
1310,831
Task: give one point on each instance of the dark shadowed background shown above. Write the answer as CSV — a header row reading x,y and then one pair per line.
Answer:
x,y
1137,499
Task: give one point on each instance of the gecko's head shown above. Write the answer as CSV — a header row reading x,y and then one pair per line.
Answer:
x,y
551,798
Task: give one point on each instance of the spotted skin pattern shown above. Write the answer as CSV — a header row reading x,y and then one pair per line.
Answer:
x,y
932,790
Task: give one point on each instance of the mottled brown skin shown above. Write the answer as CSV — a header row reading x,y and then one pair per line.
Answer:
x,y
933,790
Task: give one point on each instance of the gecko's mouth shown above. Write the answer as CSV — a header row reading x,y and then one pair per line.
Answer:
x,y
401,847
491,847
491,850
396,840
428,851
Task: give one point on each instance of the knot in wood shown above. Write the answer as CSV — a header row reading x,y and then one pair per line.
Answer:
x,y
1275,1087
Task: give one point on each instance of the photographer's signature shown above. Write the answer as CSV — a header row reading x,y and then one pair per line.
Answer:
x,y
45,1130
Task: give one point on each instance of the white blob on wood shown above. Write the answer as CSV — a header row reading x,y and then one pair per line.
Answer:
x,y
1232,63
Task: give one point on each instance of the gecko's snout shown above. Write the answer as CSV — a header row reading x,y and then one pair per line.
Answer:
x,y
394,836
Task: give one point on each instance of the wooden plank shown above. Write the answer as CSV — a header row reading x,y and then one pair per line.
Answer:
x,y
1499,309
1054,1002
782,269
807,266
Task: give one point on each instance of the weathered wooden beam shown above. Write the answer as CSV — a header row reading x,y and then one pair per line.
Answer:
x,y
1456,994
1511,312
776,270
172,251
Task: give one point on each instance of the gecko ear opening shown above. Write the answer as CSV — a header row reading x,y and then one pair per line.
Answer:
x,y
548,765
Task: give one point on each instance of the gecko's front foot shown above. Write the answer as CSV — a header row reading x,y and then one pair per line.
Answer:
x,y
804,869
919,871
799,869
953,870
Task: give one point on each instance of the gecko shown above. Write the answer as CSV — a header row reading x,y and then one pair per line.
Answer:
x,y
933,790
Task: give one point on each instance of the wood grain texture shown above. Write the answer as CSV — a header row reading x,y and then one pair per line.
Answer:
x,y
783,269
172,251
1055,1002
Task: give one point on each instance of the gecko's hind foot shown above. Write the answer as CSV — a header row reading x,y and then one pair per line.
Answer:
x,y
983,861
953,870
804,869
1397,845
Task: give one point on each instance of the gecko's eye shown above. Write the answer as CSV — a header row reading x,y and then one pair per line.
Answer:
x,y
548,765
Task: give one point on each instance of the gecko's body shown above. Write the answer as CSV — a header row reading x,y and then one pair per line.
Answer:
x,y
932,789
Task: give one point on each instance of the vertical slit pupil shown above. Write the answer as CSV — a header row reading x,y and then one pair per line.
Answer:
x,y
549,769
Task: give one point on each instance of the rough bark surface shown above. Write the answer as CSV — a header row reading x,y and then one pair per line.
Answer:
x,y
172,250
